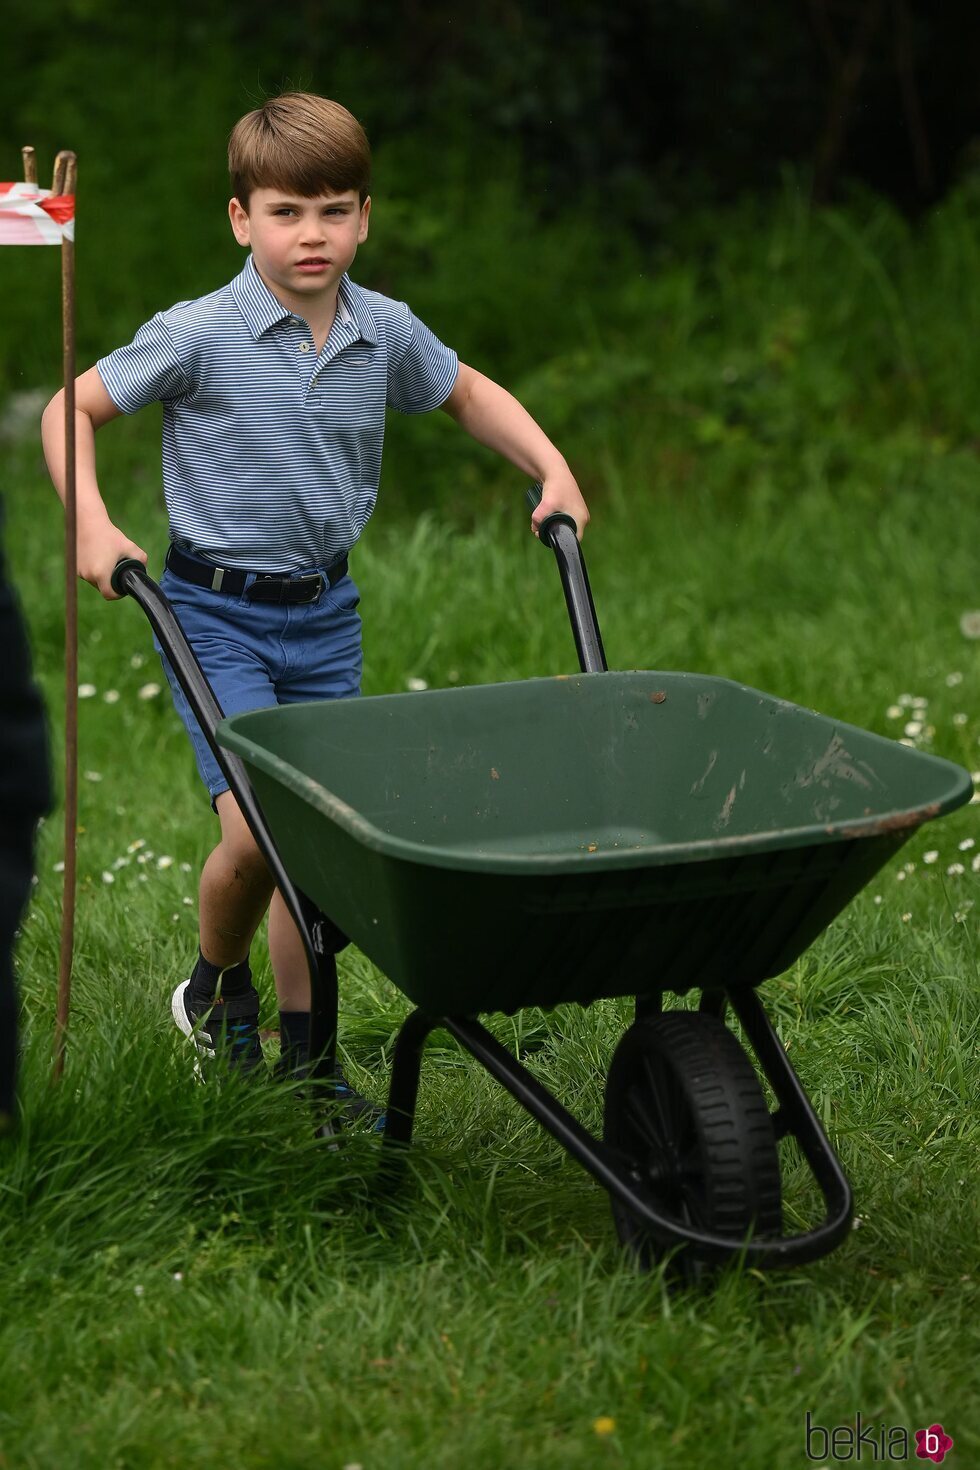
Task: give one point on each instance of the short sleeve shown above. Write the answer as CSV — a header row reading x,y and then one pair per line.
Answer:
x,y
147,371
421,369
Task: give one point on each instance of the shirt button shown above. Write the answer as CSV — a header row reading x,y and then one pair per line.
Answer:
x,y
304,347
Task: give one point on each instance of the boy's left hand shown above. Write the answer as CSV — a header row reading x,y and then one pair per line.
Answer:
x,y
559,492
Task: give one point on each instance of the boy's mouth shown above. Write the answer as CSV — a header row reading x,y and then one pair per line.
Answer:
x,y
312,263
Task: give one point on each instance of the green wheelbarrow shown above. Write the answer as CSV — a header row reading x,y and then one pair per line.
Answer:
x,y
559,840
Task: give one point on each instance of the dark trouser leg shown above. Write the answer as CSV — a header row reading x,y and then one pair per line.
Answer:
x,y
16,868
24,794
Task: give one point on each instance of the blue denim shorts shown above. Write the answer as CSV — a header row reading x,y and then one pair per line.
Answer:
x,y
257,654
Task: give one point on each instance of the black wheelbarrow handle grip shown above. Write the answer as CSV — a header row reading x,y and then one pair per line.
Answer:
x,y
560,533
129,577
121,584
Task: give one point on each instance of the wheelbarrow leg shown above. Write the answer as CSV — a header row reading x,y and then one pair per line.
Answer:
x,y
405,1068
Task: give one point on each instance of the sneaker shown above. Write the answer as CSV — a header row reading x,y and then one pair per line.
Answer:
x,y
354,1107
230,1027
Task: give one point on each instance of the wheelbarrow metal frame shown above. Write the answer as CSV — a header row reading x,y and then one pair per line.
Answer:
x,y
794,1115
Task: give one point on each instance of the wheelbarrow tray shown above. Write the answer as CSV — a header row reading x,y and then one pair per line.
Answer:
x,y
563,839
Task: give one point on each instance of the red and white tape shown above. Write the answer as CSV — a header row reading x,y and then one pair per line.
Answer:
x,y
33,216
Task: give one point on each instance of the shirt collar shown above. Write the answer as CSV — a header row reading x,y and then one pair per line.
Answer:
x,y
262,310
255,301
358,309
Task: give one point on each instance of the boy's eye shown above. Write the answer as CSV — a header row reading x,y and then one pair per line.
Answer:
x,y
330,209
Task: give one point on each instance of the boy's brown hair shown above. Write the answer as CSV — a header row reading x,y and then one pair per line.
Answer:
x,y
302,144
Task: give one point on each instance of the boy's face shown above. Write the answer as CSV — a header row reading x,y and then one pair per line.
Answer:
x,y
301,246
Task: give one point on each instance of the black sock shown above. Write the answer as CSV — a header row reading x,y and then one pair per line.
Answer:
x,y
235,980
294,1037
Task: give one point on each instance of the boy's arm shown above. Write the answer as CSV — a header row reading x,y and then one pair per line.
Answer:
x,y
494,417
100,543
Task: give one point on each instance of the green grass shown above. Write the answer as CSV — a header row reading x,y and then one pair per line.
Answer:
x,y
189,1278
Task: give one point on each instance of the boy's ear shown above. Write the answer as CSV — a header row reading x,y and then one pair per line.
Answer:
x,y
239,221
362,232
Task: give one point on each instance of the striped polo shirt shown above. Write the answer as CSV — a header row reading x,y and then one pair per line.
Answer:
x,y
272,452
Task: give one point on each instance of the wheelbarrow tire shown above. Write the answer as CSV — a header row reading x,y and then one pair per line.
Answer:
x,y
685,1106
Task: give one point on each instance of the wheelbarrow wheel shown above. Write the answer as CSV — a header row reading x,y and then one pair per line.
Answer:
x,y
685,1107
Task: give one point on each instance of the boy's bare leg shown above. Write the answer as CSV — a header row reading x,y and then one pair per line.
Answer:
x,y
218,1006
235,889
289,963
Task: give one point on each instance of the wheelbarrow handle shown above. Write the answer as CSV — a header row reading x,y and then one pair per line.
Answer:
x,y
129,577
560,533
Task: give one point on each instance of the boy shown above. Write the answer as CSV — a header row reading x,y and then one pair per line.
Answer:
x,y
274,391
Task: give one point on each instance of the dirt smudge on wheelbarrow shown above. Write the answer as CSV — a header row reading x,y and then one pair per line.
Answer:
x,y
699,784
836,763
725,815
892,822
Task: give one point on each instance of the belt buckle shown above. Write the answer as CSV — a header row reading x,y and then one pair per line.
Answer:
x,y
267,587
315,584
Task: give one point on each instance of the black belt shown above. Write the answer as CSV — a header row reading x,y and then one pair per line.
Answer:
x,y
267,587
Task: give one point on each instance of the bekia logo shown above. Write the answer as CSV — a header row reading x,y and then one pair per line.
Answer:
x,y
933,1443
865,1442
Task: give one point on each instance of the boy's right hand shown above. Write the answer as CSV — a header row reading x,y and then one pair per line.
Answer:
x,y
98,552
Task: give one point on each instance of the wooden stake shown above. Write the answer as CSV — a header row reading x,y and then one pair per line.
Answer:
x,y
30,164
66,162
59,180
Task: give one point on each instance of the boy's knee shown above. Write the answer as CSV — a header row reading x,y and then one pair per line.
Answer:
x,y
237,842
243,855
